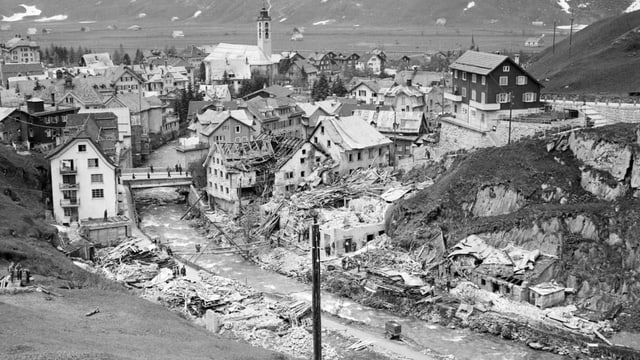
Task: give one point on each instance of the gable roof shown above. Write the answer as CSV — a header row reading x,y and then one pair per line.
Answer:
x,y
418,77
80,135
353,132
272,91
478,62
374,84
403,89
484,63
5,112
217,118
409,122
195,107
135,103
243,156
123,115
99,60
251,54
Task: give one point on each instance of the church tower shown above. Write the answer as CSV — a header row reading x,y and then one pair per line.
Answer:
x,y
264,31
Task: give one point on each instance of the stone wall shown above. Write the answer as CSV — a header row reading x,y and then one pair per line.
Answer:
x,y
618,112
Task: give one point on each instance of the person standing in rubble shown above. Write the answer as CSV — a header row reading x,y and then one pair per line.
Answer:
x,y
183,271
197,248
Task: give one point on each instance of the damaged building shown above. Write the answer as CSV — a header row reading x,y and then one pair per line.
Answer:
x,y
515,273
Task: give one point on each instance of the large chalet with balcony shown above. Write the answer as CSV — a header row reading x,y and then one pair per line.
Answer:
x,y
488,88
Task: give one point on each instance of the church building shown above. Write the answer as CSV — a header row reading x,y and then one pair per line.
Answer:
x,y
234,63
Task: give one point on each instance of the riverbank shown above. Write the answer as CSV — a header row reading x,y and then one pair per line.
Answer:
x,y
433,340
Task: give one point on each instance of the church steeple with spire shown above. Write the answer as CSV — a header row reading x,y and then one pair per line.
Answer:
x,y
264,29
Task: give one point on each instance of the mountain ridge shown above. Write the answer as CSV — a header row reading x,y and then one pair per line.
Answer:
x,y
344,12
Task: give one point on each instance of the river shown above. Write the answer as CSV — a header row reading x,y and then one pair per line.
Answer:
x,y
164,222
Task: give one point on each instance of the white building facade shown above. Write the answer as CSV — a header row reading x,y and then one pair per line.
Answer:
x,y
83,182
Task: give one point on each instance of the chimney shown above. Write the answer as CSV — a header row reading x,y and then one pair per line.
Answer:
x,y
516,59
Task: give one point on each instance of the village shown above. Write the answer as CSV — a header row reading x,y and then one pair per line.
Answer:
x,y
255,147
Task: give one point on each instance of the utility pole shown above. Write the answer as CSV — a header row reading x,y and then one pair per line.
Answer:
x,y
554,37
315,303
570,36
510,111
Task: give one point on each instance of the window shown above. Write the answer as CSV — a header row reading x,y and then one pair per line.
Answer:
x,y
209,170
455,74
301,173
237,129
473,78
301,160
521,80
362,92
328,143
350,157
473,95
483,80
82,148
68,211
92,163
529,97
464,92
322,130
502,98
304,151
315,139
483,97
97,193
506,68
464,75
227,190
97,178
504,80
215,186
359,155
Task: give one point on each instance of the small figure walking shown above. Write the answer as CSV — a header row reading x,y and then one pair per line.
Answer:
x,y
180,169
151,168
148,175
168,171
197,248
176,167
133,176
183,271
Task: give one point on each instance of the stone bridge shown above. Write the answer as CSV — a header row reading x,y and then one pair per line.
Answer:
x,y
144,178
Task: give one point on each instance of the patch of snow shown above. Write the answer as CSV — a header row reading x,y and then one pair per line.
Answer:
x,y
470,5
283,19
323,22
87,22
175,18
565,6
29,10
635,6
576,27
142,15
197,13
60,17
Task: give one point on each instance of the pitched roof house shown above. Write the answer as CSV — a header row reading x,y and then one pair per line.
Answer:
x,y
490,87
351,142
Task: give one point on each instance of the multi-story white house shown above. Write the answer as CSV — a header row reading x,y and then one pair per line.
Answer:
x,y
21,50
83,181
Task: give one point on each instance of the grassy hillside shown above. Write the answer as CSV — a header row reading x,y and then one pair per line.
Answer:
x,y
305,12
603,59
127,327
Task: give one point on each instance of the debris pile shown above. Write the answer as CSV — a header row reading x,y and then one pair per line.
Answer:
x,y
286,262
134,262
